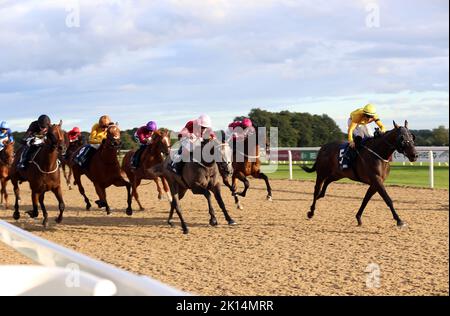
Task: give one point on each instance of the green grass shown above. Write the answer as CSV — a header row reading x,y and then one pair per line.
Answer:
x,y
416,175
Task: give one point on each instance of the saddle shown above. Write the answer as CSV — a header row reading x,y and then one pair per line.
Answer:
x,y
347,155
84,156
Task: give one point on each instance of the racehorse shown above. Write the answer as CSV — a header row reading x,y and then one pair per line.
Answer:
x,y
103,170
152,155
6,161
246,162
371,166
201,177
66,157
42,172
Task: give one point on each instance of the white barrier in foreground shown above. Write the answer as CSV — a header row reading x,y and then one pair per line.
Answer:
x,y
49,254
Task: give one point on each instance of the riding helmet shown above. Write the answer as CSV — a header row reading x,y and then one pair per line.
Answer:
x,y
44,121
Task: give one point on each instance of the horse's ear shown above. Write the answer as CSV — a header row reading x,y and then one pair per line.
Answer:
x,y
117,124
406,123
60,123
395,125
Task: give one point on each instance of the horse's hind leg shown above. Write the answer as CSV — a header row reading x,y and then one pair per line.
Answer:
x,y
158,187
77,181
266,180
44,209
69,177
101,202
317,190
370,192
176,203
61,205
222,206
213,219
328,181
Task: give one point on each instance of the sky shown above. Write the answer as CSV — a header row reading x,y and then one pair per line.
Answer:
x,y
172,60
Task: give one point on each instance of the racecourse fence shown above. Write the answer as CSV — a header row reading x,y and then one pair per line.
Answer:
x,y
112,280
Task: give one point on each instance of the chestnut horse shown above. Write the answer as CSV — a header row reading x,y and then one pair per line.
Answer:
x,y
370,167
246,162
42,172
151,156
66,157
103,170
6,161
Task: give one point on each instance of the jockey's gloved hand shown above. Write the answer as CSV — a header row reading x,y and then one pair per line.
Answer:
x,y
352,145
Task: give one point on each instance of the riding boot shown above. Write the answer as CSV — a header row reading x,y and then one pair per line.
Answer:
x,y
24,158
176,164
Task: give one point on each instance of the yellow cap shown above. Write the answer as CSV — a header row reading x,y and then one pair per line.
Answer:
x,y
370,110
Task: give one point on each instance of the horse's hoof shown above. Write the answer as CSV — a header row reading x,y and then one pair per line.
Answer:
x,y
58,220
129,212
232,222
16,216
45,223
401,224
100,204
88,207
108,212
170,223
185,231
70,188
269,198
32,214
213,222
310,215
239,207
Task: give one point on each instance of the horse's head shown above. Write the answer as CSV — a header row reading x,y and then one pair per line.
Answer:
x,y
55,137
113,136
161,141
8,152
225,157
404,142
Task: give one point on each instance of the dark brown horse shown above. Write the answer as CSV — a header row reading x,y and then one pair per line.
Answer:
x,y
103,170
42,172
66,157
246,162
6,161
152,155
370,167
201,177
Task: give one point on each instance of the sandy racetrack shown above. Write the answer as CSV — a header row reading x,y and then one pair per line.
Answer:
x,y
274,249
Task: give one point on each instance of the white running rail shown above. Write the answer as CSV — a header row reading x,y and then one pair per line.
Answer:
x,y
50,254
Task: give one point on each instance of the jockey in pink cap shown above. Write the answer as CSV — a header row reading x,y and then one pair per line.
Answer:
x,y
239,130
143,137
191,136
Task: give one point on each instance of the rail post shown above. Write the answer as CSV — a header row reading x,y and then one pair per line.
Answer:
x,y
290,165
431,169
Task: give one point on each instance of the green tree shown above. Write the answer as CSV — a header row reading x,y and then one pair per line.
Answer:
x,y
440,136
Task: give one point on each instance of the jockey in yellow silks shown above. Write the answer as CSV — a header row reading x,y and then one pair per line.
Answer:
x,y
358,121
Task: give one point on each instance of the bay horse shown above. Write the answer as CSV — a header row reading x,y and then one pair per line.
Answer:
x,y
66,157
6,161
371,166
103,170
151,156
202,178
246,162
42,173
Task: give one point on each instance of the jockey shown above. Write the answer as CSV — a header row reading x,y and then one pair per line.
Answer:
x,y
74,135
5,134
33,138
143,137
99,132
239,130
190,137
358,121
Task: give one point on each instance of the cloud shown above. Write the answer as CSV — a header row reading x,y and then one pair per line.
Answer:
x,y
218,56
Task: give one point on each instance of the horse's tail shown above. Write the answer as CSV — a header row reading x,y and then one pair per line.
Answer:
x,y
310,170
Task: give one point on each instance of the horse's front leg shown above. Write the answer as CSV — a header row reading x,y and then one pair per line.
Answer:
x,y
44,209
241,176
61,205
121,182
4,193
218,196
35,200
15,183
378,183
